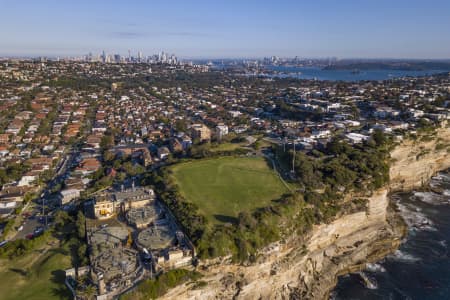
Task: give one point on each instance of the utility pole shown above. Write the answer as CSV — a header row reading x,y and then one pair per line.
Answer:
x,y
43,211
293,157
43,206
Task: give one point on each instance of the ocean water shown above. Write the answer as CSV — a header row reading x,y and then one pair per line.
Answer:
x,y
347,75
420,269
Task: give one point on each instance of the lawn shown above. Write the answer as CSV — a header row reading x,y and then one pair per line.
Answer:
x,y
223,187
227,147
37,276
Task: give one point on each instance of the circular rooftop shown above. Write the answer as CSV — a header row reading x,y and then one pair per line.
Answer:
x,y
155,238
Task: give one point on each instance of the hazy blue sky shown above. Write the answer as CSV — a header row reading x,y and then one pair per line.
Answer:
x,y
228,28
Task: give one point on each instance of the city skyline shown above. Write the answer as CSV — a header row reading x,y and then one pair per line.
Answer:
x,y
200,29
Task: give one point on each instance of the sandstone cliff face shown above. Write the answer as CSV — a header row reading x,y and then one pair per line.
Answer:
x,y
414,162
289,271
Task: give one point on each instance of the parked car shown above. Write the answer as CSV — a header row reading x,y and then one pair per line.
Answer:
x,y
38,230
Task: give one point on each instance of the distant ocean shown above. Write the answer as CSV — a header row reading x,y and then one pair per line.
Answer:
x,y
420,269
346,75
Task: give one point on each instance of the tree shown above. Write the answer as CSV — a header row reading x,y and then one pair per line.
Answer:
x,y
305,170
379,137
81,252
121,176
257,145
107,142
89,292
180,125
81,225
108,156
28,197
133,170
61,218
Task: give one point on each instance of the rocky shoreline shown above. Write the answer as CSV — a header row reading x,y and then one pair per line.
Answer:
x,y
380,248
308,267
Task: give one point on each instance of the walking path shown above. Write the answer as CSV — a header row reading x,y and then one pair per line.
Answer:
x,y
278,173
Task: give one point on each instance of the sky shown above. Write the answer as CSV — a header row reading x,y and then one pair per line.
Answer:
x,y
228,28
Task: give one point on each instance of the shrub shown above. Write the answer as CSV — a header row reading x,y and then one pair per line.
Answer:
x,y
154,288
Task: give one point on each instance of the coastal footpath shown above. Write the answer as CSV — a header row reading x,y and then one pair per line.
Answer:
x,y
307,267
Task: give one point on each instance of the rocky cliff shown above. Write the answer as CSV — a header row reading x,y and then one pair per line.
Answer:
x,y
307,268
415,161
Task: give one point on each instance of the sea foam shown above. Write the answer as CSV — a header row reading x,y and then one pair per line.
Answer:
x,y
414,218
403,256
430,198
374,267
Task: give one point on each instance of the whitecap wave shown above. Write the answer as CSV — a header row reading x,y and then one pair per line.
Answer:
x,y
441,177
414,218
435,184
374,267
430,198
403,256
427,228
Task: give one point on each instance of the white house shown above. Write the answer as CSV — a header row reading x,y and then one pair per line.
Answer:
x,y
163,152
320,133
68,195
221,131
385,112
382,127
356,138
27,179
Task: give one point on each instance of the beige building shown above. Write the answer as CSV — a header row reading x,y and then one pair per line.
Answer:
x,y
111,203
201,132
104,207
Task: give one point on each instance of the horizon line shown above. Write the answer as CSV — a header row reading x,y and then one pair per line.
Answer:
x,y
68,56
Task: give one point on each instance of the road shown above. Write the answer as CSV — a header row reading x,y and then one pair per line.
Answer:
x,y
36,219
29,226
277,141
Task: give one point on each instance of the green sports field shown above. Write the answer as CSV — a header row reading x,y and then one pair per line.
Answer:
x,y
38,275
223,187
